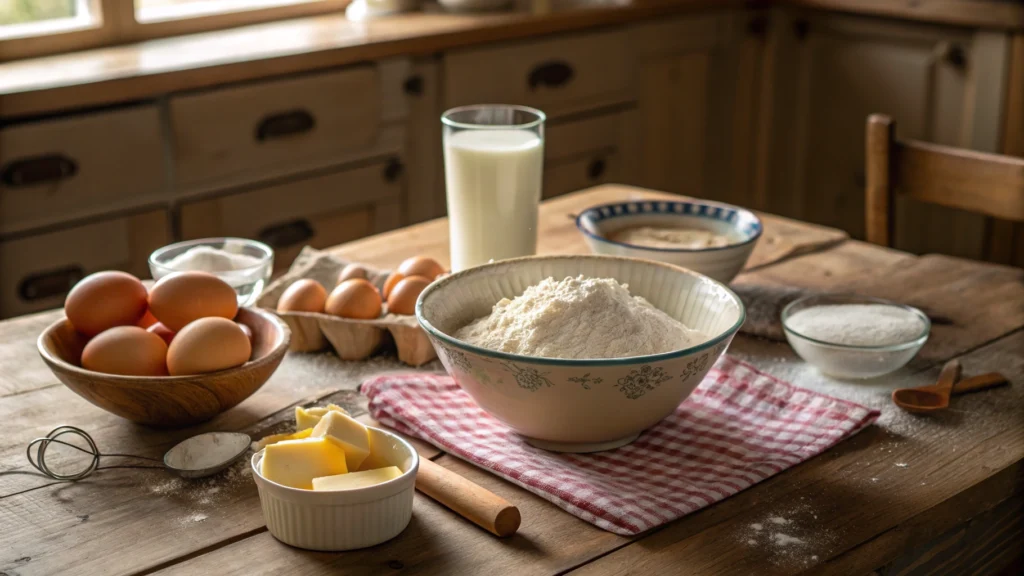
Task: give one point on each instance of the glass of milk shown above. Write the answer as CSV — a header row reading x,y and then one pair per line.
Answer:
x,y
493,167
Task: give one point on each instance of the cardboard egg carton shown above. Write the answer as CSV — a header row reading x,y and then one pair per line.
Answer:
x,y
351,339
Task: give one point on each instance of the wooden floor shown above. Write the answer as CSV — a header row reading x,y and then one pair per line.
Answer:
x,y
938,494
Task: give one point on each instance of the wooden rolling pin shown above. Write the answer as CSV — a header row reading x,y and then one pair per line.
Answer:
x,y
474,503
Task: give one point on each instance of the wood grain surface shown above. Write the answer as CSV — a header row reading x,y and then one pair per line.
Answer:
x,y
893,498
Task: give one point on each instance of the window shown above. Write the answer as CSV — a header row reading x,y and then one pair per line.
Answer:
x,y
161,10
39,27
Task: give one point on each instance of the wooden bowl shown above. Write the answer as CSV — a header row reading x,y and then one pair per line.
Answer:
x,y
168,401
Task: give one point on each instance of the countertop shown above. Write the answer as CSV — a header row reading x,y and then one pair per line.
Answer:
x,y
148,69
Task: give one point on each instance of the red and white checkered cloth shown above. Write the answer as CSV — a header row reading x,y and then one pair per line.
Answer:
x,y
739,427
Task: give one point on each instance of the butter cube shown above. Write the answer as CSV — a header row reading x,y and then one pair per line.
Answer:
x,y
275,438
352,436
296,462
354,480
309,417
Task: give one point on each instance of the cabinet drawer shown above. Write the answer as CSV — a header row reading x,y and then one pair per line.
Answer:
x,y
37,271
321,211
601,167
247,133
557,75
68,168
584,153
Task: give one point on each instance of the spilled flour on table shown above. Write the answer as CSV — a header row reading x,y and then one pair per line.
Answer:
x,y
200,495
790,537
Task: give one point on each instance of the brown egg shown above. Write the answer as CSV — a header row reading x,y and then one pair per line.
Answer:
x,y
126,350
352,271
303,295
403,296
162,331
182,297
208,345
104,300
147,319
246,330
355,298
389,284
421,266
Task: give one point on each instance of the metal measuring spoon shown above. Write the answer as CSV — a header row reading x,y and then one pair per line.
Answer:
x,y
206,454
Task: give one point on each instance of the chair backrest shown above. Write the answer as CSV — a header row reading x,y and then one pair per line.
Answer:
x,y
988,184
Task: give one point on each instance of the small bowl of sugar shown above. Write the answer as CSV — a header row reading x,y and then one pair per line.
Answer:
x,y
244,264
854,337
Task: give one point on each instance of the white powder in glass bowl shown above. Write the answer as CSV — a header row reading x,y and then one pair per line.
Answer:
x,y
858,324
577,318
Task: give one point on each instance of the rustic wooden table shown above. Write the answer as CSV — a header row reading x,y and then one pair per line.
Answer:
x,y
910,494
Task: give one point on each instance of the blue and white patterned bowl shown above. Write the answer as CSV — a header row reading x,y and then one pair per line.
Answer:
x,y
579,405
741,226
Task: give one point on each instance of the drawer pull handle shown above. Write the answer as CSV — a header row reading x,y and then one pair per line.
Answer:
x,y
288,234
596,169
551,74
413,85
801,28
393,170
956,56
38,169
285,124
50,283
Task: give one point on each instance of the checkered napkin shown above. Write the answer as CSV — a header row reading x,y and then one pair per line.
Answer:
x,y
739,427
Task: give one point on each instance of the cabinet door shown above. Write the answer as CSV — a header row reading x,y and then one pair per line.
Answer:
x,y
319,211
698,82
583,153
37,271
938,84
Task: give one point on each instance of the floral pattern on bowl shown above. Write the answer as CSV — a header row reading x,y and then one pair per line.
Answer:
x,y
579,405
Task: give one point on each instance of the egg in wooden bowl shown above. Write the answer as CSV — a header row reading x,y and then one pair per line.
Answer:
x,y
168,401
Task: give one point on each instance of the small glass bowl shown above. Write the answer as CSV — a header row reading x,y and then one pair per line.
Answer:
x,y
846,360
248,282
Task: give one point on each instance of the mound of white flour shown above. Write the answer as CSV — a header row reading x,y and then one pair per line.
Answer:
x,y
578,318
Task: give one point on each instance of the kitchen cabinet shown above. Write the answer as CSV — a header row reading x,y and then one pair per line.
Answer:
x,y
319,211
37,271
941,84
580,153
697,82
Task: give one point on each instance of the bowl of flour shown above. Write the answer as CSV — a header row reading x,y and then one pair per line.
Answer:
x,y
579,353
854,337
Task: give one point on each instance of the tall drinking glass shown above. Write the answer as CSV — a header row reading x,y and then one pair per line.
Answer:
x,y
493,167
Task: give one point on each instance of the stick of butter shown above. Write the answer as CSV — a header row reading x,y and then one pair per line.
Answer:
x,y
296,463
309,417
354,480
352,436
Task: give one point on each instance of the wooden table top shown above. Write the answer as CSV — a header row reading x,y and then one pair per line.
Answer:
x,y
908,494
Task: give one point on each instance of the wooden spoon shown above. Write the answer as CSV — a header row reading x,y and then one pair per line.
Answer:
x,y
936,397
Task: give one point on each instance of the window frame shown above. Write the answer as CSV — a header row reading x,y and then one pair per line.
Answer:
x,y
117,25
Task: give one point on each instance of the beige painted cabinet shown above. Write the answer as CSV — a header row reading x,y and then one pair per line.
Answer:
x,y
941,84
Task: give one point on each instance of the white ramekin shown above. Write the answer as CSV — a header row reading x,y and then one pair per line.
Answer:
x,y
343,519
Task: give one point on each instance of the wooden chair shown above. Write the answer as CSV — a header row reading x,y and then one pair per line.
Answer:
x,y
988,184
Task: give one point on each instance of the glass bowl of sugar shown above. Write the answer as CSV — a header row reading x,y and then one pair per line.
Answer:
x,y
244,264
854,337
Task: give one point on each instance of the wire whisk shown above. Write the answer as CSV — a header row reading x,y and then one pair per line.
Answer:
x,y
39,445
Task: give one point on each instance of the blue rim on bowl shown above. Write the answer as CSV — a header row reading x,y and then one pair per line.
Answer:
x,y
697,208
830,299
582,362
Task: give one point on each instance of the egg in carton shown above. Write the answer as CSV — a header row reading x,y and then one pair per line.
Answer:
x,y
350,338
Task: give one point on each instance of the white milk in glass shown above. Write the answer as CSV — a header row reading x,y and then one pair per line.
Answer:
x,y
494,182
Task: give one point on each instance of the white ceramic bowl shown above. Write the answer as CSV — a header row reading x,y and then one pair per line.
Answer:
x,y
579,405
742,226
248,282
343,519
847,361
